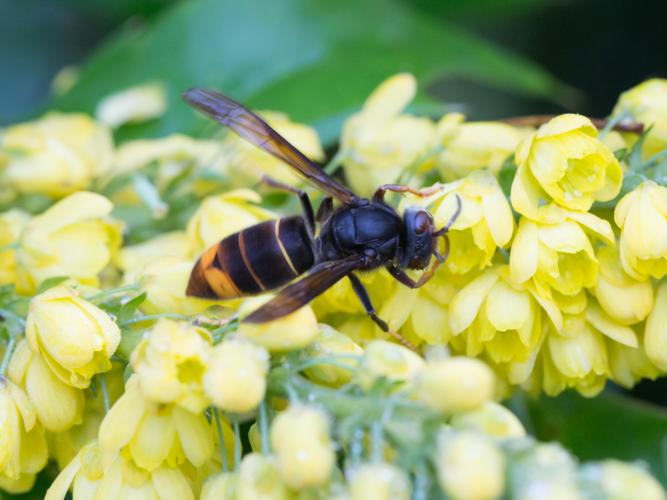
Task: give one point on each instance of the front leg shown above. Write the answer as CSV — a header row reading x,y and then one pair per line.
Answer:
x,y
400,188
403,277
361,292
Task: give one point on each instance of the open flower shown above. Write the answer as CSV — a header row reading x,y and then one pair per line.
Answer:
x,y
55,155
132,259
72,238
564,162
12,224
642,217
379,142
75,337
655,336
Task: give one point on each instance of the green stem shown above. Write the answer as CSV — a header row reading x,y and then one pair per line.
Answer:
x,y
8,355
221,437
335,162
238,449
357,446
99,297
102,382
377,441
150,195
264,427
152,317
219,333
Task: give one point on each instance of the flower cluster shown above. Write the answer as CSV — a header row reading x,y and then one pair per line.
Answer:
x,y
552,281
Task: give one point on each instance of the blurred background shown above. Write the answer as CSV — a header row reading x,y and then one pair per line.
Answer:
x,y
318,60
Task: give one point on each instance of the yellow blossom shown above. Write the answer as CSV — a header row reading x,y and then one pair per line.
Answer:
x,y
490,418
300,439
379,142
622,297
12,223
471,146
556,252
23,450
75,338
135,104
628,365
64,446
221,215
620,481
379,481
294,331
58,405
469,466
220,487
647,103
331,343
484,223
454,385
235,378
258,478
55,155
133,259
391,361
71,238
170,363
564,162
642,217
655,336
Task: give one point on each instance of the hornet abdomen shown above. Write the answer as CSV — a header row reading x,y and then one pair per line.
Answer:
x,y
262,257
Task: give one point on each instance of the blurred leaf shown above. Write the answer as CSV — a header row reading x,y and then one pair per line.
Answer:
x,y
608,426
314,60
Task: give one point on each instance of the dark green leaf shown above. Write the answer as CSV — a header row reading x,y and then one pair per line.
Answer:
x,y
50,283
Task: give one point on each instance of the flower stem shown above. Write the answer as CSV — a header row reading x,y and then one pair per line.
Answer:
x,y
335,162
102,382
151,317
99,297
150,195
238,447
264,427
221,438
8,355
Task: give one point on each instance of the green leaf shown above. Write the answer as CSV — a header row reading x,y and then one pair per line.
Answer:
x,y
50,283
607,426
314,60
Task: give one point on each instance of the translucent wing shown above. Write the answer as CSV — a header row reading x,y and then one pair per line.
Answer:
x,y
252,128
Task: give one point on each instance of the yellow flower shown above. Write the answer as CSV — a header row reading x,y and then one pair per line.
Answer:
x,y
379,481
75,338
225,214
655,336
620,481
258,478
164,282
133,259
12,223
391,361
235,378
471,146
454,385
622,297
94,473
300,439
490,418
642,217
379,142
484,223
132,105
501,318
220,487
556,252
55,155
245,164
72,238
331,343
647,103
59,406
154,434
469,466
170,363
64,446
564,162
294,331
23,450
628,365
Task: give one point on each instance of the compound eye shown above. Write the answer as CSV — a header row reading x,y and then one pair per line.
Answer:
x,y
422,222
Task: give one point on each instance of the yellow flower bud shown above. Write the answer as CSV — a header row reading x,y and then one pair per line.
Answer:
x,y
628,365
55,155
132,105
22,484
642,217
564,162
379,481
647,104
300,439
294,331
258,478
219,487
620,481
331,343
469,466
625,299
472,146
391,361
490,418
221,215
59,406
12,223
655,335
379,142
454,385
75,338
170,364
235,378
71,238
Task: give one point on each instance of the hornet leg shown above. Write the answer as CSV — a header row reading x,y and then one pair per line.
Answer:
x,y
306,206
325,209
400,188
361,292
